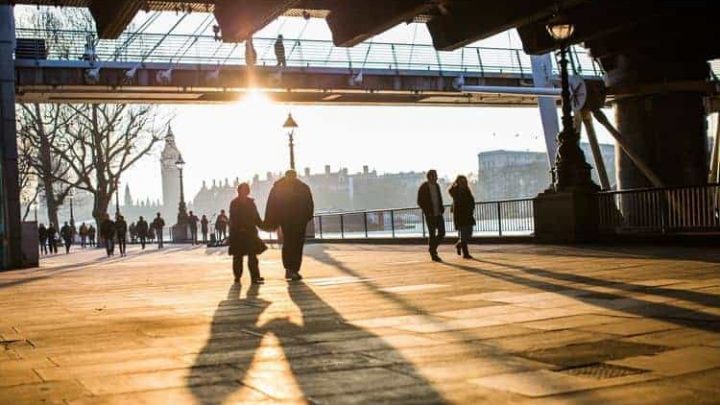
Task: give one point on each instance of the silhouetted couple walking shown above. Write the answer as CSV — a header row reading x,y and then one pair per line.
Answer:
x,y
430,201
289,208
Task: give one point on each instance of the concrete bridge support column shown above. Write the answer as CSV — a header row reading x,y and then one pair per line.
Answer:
x,y
665,128
9,192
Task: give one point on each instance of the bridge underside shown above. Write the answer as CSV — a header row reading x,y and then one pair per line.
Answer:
x,y
49,81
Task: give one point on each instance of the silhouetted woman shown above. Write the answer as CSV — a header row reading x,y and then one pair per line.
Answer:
x,y
243,239
463,210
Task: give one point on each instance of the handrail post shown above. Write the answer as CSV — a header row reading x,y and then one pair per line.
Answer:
x,y
397,68
342,226
517,56
365,223
320,225
392,222
499,216
482,69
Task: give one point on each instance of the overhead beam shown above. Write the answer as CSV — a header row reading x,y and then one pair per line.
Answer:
x,y
239,19
355,22
467,21
112,17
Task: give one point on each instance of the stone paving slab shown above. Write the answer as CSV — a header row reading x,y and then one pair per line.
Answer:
x,y
370,324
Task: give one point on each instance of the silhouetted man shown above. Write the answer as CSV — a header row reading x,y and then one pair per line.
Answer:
x,y
121,229
107,232
221,224
91,235
141,228
83,235
66,233
52,238
193,222
290,207
204,228
158,225
429,199
280,52
43,238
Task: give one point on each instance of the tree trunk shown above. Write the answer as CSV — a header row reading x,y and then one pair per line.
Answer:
x,y
46,172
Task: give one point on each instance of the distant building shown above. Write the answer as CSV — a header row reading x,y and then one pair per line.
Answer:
x,y
514,174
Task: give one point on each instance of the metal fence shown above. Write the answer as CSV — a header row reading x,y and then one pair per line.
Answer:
x,y
204,49
496,218
673,210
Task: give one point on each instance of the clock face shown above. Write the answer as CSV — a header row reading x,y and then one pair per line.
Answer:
x,y
578,93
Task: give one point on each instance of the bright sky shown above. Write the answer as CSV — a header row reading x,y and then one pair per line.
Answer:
x,y
241,139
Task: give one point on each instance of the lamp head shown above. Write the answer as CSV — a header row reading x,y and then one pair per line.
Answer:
x,y
180,163
290,122
560,28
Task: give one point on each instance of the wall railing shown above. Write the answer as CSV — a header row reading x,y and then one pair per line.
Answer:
x,y
494,219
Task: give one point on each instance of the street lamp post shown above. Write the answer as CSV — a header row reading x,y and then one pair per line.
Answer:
x,y
71,195
182,209
290,124
117,197
571,169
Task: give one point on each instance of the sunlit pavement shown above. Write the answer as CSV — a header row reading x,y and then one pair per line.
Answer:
x,y
370,324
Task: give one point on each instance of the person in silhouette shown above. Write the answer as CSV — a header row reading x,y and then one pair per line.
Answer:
x,y
250,53
290,207
221,226
66,233
107,232
463,209
83,232
280,52
429,199
52,238
91,235
244,239
141,229
158,225
193,223
204,228
121,229
43,238
133,232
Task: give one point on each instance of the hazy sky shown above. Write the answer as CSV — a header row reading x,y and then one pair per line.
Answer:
x,y
244,138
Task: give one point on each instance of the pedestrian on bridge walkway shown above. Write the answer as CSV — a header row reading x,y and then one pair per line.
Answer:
x,y
463,210
280,52
244,240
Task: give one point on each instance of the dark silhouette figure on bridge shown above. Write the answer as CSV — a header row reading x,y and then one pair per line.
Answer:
x,y
429,199
250,53
193,222
83,232
141,229
280,52
463,214
66,234
204,228
244,239
290,207
235,341
91,235
221,223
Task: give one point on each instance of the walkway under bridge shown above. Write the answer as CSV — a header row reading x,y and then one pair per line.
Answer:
x,y
173,68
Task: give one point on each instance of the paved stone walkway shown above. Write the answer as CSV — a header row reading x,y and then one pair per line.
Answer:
x,y
370,324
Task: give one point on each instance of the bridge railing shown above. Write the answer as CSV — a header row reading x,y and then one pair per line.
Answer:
x,y
672,210
203,49
494,218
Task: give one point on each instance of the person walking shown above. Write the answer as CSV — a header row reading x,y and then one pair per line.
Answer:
x,y
429,199
158,225
204,228
121,229
244,240
463,210
290,207
52,238
66,233
221,226
193,222
91,235
280,52
43,238
141,229
107,232
250,53
83,232
133,232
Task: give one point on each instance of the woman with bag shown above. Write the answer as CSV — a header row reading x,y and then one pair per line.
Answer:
x,y
463,209
244,240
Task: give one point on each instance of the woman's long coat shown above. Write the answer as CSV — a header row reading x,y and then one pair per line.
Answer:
x,y
244,223
463,206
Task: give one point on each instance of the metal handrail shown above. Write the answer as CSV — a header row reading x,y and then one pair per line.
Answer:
x,y
162,47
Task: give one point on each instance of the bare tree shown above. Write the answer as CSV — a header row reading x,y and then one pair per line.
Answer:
x,y
103,141
41,129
